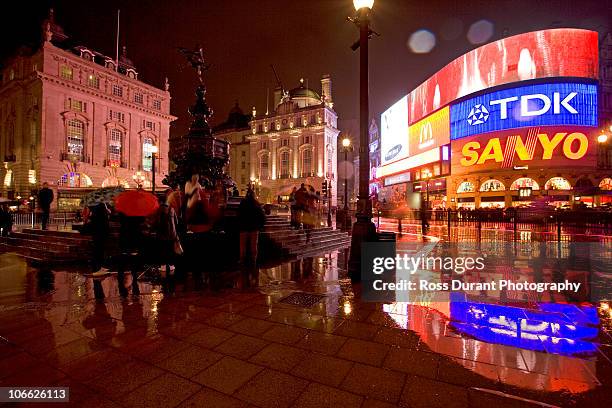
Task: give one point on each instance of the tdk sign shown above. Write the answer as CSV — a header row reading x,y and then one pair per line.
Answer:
x,y
532,105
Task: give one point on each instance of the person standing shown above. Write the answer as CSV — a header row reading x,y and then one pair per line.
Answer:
x,y
251,220
293,208
100,227
45,198
6,220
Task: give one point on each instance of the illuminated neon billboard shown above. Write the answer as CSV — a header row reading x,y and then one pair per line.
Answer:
x,y
550,146
431,132
565,103
533,55
394,132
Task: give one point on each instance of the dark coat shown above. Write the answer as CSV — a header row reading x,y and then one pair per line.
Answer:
x,y
251,216
45,198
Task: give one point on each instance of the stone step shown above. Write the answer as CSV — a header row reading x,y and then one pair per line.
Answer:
x,y
56,234
301,239
315,245
76,240
37,254
61,247
322,249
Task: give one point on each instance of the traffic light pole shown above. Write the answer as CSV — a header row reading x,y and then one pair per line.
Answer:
x,y
329,199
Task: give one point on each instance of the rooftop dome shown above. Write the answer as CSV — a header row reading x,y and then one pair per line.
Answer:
x,y
303,92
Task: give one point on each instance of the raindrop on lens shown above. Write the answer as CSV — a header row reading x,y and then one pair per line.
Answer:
x,y
480,32
421,42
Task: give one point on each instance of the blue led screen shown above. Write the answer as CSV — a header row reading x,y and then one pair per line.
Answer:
x,y
566,103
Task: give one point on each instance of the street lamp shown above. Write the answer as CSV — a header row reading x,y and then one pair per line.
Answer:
x,y
603,138
154,150
346,147
363,230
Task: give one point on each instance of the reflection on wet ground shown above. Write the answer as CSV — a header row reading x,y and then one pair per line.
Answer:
x,y
229,339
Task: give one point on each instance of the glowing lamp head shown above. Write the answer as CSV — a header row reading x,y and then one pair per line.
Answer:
x,y
154,149
359,4
346,142
603,138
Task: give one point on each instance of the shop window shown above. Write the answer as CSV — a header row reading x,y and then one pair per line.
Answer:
x,y
524,182
114,147
147,154
606,184
75,138
557,183
264,168
492,185
466,187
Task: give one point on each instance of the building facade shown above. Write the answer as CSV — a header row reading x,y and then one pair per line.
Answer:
x,y
236,130
78,120
296,143
523,121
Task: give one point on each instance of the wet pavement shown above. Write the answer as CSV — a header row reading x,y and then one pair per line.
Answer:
x,y
240,339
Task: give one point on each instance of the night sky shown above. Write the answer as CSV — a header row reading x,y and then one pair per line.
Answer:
x,y
241,38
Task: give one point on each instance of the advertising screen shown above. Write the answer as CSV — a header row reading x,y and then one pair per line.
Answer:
x,y
433,131
538,54
394,132
535,147
526,106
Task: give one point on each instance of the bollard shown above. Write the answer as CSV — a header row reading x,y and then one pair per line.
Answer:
x,y
399,226
448,222
558,228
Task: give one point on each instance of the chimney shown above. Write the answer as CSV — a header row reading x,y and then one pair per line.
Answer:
x,y
326,90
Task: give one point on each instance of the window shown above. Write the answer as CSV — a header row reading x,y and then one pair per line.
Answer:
x,y
243,153
466,187
243,165
138,98
75,138
557,183
284,164
242,179
116,116
93,81
147,124
76,105
306,139
157,104
285,142
264,145
264,173
492,185
12,74
65,72
306,162
117,90
114,147
525,182
147,154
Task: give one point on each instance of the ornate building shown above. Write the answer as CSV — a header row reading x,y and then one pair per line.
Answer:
x,y
76,119
236,130
297,143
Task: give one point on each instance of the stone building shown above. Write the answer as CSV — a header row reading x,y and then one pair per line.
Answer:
x,y
236,130
296,143
79,120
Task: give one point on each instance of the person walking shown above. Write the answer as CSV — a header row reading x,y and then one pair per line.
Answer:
x,y
301,203
45,198
251,220
309,217
294,210
99,227
168,238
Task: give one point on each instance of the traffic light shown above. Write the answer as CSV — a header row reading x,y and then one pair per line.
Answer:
x,y
324,188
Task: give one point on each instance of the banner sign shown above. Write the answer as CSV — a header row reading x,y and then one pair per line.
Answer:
x,y
433,131
394,132
551,104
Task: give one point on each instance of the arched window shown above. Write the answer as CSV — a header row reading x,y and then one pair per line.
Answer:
x,y
115,144
524,182
75,138
492,185
264,167
147,154
606,184
307,163
75,180
557,183
466,187
284,164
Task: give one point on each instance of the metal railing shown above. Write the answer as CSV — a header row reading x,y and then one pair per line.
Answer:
x,y
32,219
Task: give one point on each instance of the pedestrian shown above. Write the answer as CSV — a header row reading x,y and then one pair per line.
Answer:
x,y
251,220
167,236
293,208
45,198
301,202
309,217
6,220
99,227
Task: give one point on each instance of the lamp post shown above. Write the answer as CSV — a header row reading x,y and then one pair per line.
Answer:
x,y
154,150
346,147
364,229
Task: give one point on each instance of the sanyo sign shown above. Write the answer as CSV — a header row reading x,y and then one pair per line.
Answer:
x,y
533,146
553,104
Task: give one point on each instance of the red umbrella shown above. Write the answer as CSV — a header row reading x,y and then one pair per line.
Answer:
x,y
136,203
